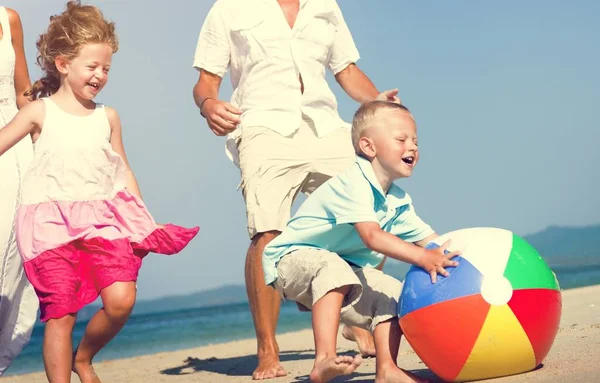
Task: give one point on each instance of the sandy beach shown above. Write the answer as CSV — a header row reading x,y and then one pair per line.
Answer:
x,y
575,356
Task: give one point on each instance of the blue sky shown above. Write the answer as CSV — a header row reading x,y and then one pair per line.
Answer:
x,y
503,94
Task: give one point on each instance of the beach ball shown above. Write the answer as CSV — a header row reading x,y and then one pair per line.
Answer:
x,y
496,314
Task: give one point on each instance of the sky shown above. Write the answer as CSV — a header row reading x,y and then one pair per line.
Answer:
x,y
504,94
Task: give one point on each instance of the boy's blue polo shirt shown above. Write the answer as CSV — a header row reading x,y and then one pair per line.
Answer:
x,y
325,220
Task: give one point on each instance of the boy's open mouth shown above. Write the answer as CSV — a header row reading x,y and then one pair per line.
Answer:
x,y
94,85
409,160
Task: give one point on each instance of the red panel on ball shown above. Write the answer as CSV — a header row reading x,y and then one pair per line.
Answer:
x,y
538,311
444,333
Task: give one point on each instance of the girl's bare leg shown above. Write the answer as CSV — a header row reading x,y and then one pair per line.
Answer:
x,y
57,348
118,300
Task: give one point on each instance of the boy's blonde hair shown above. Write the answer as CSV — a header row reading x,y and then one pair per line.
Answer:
x,y
364,118
66,35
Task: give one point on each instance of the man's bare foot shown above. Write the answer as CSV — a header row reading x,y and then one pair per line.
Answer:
x,y
86,372
268,368
363,338
328,368
394,374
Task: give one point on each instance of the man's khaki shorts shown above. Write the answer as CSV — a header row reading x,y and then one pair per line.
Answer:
x,y
306,275
275,168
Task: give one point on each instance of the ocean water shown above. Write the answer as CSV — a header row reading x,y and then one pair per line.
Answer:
x,y
169,331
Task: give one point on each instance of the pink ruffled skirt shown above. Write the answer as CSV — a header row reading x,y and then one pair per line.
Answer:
x,y
72,250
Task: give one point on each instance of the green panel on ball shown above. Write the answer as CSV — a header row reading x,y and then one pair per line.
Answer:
x,y
526,269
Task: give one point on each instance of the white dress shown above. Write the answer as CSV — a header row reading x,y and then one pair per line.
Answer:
x,y
18,302
79,229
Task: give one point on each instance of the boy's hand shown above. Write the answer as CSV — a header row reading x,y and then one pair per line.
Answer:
x,y
434,261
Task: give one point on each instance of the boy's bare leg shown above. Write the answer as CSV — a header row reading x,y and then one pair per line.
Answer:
x,y
325,322
363,338
264,305
387,342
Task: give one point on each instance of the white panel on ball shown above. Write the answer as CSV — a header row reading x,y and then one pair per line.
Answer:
x,y
488,249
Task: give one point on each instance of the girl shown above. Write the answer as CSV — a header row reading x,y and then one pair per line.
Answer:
x,y
18,304
82,228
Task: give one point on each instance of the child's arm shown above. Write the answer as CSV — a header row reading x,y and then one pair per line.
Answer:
x,y
28,119
116,141
425,241
421,243
380,241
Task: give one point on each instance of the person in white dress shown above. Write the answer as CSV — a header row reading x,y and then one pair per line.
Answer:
x,y
18,302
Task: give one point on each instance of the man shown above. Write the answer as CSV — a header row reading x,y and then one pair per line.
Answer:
x,y
282,124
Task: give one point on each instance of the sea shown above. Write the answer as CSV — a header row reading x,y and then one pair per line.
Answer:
x,y
182,329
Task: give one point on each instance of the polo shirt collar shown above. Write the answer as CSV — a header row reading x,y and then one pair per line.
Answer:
x,y
395,197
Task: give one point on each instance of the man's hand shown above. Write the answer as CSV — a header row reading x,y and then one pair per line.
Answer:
x,y
221,116
434,261
389,95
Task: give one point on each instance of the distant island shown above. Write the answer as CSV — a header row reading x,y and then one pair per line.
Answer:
x,y
562,247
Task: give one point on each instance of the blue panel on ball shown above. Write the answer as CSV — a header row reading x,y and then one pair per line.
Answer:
x,y
419,292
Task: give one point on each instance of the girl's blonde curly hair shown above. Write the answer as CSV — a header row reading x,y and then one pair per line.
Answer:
x,y
66,35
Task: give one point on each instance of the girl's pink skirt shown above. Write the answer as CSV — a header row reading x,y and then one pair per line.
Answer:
x,y
73,250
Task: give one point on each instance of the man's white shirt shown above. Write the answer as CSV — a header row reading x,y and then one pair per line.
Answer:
x,y
253,40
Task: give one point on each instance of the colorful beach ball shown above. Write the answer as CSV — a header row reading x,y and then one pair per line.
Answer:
x,y
496,314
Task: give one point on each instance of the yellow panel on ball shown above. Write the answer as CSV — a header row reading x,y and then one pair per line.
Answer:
x,y
503,341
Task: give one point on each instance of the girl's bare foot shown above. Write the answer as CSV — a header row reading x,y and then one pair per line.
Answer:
x,y
363,338
397,375
328,368
85,371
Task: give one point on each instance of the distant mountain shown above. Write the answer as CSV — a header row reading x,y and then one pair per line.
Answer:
x,y
563,245
560,246
214,297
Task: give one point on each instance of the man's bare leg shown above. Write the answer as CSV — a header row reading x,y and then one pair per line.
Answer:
x,y
264,305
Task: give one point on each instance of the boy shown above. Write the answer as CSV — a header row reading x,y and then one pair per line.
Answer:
x,y
326,258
